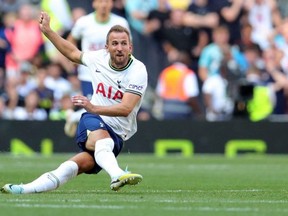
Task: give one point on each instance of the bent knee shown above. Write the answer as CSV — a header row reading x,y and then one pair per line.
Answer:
x,y
94,136
84,161
86,167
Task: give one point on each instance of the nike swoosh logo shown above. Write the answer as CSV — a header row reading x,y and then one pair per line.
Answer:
x,y
98,71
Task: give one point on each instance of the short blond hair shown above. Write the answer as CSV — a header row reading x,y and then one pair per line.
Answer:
x,y
117,28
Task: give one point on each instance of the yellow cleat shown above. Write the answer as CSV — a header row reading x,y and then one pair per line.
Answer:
x,y
126,179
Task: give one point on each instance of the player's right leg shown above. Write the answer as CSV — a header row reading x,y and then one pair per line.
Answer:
x,y
48,181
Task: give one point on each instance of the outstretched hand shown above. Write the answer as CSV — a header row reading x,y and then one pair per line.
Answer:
x,y
44,22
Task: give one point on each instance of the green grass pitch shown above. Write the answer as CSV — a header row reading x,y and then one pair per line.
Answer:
x,y
173,185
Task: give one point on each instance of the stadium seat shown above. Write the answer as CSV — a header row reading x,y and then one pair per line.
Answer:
x,y
163,146
18,147
232,147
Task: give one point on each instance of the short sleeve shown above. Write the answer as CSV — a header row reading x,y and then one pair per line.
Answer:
x,y
137,82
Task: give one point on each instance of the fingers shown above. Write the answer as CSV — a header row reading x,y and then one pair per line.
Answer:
x,y
43,16
79,100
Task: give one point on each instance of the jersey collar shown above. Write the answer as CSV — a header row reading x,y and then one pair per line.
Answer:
x,y
123,68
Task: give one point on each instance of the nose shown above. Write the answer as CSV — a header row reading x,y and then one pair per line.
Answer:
x,y
119,47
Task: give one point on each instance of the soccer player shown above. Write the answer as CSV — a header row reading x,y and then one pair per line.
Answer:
x,y
91,30
120,81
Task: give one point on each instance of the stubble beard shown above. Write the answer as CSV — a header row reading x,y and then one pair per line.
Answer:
x,y
119,62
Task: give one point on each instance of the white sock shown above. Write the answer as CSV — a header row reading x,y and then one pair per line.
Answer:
x,y
52,180
106,159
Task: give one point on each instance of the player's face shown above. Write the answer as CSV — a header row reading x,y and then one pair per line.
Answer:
x,y
103,7
119,47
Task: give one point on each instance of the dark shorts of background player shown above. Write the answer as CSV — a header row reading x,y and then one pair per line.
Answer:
x,y
86,88
93,122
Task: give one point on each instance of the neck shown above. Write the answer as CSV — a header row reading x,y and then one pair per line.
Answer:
x,y
119,66
102,18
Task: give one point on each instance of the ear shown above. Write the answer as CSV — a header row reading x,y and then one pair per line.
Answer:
x,y
131,48
106,46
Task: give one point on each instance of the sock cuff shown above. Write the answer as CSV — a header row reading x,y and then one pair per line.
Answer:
x,y
106,143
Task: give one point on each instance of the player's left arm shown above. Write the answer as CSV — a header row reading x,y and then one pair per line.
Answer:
x,y
128,103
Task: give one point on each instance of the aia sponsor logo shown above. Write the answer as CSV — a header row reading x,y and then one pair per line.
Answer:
x,y
108,92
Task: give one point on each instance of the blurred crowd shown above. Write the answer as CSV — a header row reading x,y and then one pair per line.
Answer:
x,y
211,60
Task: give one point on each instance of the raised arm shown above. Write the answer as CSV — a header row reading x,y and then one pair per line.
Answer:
x,y
68,49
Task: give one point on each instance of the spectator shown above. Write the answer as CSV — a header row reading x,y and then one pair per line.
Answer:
x,y
252,58
12,98
5,46
261,92
156,18
178,89
217,63
283,7
277,78
261,100
30,111
217,101
200,15
26,82
75,84
149,109
246,38
177,38
2,107
280,40
4,49
46,95
25,38
137,12
183,4
153,29
212,55
263,16
65,109
57,82
2,81
11,6
119,8
85,4
231,14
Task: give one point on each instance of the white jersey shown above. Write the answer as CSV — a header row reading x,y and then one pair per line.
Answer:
x,y
110,85
216,86
93,35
